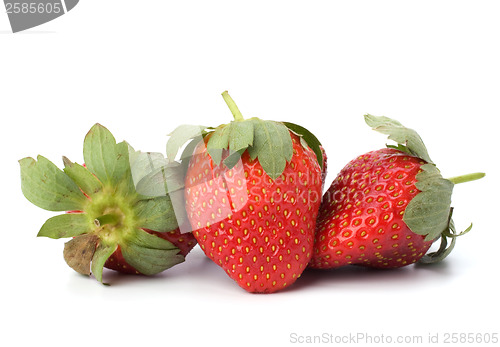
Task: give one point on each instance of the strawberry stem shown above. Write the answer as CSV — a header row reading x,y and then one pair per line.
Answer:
x,y
467,178
232,106
110,218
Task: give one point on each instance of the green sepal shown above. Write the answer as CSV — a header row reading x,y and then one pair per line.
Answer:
x,y
236,137
78,252
400,134
105,158
87,182
154,175
48,187
311,140
161,181
428,212
66,225
157,214
187,153
218,142
102,253
241,135
272,145
401,148
150,254
181,135
233,158
143,163
444,250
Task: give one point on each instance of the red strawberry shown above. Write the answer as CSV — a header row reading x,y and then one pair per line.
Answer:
x,y
253,190
386,207
120,206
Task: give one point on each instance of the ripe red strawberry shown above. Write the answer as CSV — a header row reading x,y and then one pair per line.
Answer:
x,y
121,213
253,190
386,208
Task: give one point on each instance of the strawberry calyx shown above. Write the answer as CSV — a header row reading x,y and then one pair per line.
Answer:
x,y
268,141
429,213
112,201
444,250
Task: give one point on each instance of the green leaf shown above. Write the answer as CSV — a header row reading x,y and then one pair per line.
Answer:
x,y
233,158
235,137
48,187
188,151
156,214
78,252
272,145
401,148
311,140
161,181
105,158
102,253
180,136
217,143
444,250
179,206
82,177
240,135
429,211
143,164
399,133
66,225
150,254
153,175
187,154
452,233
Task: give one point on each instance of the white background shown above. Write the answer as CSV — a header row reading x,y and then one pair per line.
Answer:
x,y
143,67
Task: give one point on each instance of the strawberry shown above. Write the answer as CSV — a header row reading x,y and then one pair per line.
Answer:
x,y
253,190
387,207
120,206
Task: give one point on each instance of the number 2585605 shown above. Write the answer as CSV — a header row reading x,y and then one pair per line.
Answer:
x,y
33,7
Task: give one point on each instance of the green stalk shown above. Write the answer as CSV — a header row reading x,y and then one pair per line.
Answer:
x,y
232,106
110,218
466,178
